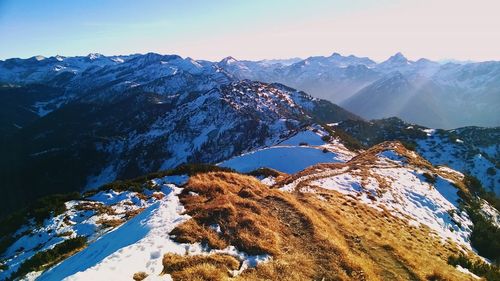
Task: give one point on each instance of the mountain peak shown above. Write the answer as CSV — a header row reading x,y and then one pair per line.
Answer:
x,y
398,54
155,58
228,60
94,56
398,57
424,60
39,58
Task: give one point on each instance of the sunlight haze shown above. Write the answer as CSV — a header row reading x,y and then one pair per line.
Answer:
x,y
463,30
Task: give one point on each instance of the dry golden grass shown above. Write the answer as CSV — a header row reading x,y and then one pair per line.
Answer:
x,y
191,232
230,201
98,207
408,253
388,245
437,276
332,238
361,166
259,220
199,267
201,272
132,213
105,223
158,195
139,276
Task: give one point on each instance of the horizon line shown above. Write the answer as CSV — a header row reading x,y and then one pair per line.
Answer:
x,y
442,60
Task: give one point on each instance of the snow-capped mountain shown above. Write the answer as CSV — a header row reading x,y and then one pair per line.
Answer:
x,y
130,115
397,61
335,77
122,116
301,187
438,95
40,69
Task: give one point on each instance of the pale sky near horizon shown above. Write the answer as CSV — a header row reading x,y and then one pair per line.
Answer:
x,y
258,29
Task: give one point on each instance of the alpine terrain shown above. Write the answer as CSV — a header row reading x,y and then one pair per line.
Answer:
x,y
158,167
438,95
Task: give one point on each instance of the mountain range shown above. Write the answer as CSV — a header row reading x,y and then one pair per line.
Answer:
x,y
97,119
158,167
122,116
425,92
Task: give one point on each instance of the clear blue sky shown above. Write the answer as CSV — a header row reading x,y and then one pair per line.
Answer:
x,y
213,29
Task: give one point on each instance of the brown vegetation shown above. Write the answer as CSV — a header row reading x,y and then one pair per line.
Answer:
x,y
139,276
98,207
199,267
310,236
132,213
228,200
437,276
362,164
105,223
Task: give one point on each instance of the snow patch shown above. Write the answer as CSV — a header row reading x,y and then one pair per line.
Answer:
x,y
407,196
466,271
308,137
140,243
284,159
108,174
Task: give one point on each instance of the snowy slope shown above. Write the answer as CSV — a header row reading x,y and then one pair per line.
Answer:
x,y
284,159
122,134
462,155
393,182
470,150
292,155
137,245
409,196
387,177
88,218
